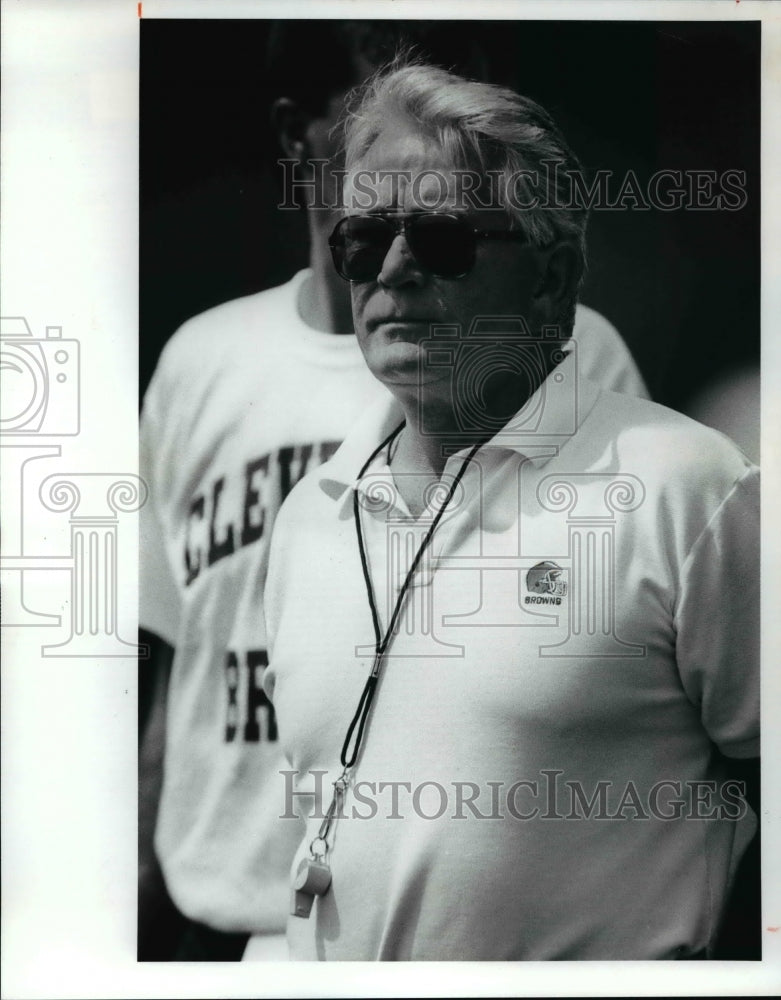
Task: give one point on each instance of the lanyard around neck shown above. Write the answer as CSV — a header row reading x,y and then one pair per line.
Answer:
x,y
317,866
381,641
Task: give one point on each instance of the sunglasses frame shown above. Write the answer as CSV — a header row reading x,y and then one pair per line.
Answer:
x,y
401,222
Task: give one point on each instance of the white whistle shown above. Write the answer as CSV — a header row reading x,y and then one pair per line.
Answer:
x,y
312,878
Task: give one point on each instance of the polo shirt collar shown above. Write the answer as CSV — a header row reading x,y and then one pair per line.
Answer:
x,y
538,430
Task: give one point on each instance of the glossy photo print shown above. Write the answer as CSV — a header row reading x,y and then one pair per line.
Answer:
x,y
382,505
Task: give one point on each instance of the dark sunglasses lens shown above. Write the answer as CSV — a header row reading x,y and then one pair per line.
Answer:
x,y
359,246
444,245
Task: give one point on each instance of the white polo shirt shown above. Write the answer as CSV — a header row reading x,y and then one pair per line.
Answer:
x,y
585,630
536,779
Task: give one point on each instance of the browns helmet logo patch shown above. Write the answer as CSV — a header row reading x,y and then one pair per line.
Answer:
x,y
545,578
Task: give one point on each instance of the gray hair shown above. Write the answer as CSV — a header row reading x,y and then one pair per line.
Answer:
x,y
484,128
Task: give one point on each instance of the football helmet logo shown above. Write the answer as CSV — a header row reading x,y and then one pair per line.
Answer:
x,y
545,578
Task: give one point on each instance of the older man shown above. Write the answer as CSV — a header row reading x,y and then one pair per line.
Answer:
x,y
513,620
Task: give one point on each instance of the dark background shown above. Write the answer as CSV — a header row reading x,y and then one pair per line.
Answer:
x,y
681,286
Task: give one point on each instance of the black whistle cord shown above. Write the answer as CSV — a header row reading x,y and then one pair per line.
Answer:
x,y
381,641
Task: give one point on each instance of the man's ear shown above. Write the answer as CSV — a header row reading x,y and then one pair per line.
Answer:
x,y
291,122
560,273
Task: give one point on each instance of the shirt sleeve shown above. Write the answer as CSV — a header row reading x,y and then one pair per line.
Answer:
x,y
159,603
717,621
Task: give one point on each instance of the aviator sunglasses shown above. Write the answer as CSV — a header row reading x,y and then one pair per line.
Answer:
x,y
441,243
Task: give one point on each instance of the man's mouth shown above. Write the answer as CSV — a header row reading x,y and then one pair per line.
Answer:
x,y
398,321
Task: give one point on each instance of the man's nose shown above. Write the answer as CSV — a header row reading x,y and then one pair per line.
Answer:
x,y
399,266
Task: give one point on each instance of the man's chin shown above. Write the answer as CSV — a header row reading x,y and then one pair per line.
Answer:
x,y
402,364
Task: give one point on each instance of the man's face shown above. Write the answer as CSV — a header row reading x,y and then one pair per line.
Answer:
x,y
393,314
